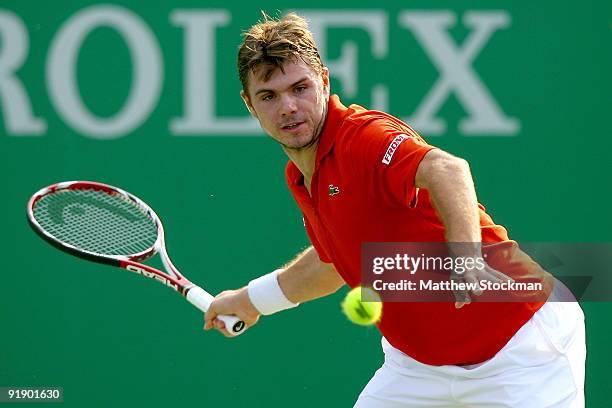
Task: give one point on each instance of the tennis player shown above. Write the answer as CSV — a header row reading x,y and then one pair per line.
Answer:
x,y
364,176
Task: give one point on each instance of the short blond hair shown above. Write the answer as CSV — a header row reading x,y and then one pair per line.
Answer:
x,y
272,42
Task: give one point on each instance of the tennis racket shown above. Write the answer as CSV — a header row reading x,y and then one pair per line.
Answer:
x,y
107,225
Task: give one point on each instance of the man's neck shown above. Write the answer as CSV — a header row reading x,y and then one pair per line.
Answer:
x,y
304,159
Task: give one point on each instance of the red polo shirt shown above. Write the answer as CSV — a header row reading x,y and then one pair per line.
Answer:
x,y
363,191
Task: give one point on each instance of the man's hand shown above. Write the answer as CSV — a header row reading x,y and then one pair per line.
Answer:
x,y
231,302
473,276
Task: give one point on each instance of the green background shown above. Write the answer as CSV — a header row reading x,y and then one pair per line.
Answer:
x,y
109,337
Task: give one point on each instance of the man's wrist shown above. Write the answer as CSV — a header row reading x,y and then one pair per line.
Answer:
x,y
267,296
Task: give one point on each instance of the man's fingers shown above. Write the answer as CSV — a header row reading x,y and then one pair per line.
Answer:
x,y
462,296
459,305
472,278
220,325
231,303
473,282
209,317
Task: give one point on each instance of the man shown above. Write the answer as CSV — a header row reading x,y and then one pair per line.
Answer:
x,y
364,176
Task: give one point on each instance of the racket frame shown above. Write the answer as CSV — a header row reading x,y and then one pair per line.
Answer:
x,y
174,279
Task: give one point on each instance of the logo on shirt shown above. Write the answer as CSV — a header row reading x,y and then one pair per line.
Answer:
x,y
392,148
333,190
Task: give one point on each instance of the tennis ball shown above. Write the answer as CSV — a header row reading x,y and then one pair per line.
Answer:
x,y
364,312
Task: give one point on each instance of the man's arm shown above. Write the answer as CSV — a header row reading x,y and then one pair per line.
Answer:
x,y
451,189
303,279
307,278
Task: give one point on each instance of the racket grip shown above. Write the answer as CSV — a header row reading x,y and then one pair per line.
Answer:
x,y
202,300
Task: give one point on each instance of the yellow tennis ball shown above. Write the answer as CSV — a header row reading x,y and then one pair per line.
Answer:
x,y
363,312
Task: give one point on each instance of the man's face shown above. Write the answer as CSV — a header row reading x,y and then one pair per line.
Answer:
x,y
290,105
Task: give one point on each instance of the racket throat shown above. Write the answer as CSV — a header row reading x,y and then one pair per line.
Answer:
x,y
154,275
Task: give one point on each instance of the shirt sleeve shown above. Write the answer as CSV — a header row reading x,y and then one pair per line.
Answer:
x,y
387,154
323,256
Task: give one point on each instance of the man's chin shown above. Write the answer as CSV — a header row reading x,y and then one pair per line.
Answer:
x,y
297,145
300,143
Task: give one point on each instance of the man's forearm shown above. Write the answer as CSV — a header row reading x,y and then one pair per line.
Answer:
x,y
307,277
451,189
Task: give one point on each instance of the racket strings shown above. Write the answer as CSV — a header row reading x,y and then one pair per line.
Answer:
x,y
95,221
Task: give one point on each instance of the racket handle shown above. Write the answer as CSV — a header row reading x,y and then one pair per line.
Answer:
x,y
202,300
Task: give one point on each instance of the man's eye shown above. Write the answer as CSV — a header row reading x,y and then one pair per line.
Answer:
x,y
266,97
300,89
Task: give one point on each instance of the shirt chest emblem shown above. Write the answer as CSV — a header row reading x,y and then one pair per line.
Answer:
x,y
333,190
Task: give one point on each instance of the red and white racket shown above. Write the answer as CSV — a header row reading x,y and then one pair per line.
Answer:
x,y
105,224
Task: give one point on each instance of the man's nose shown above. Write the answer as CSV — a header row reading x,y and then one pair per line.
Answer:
x,y
288,105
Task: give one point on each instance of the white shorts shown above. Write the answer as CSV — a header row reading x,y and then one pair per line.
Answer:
x,y
542,366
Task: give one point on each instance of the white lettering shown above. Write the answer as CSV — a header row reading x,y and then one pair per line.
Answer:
x,y
152,275
402,285
392,148
200,78
456,73
202,83
147,71
374,22
17,110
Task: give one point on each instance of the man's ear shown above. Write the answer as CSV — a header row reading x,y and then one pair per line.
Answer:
x,y
247,102
325,77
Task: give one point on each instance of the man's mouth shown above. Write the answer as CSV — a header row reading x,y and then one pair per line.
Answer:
x,y
292,125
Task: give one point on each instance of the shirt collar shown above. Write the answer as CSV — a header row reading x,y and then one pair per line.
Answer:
x,y
335,115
